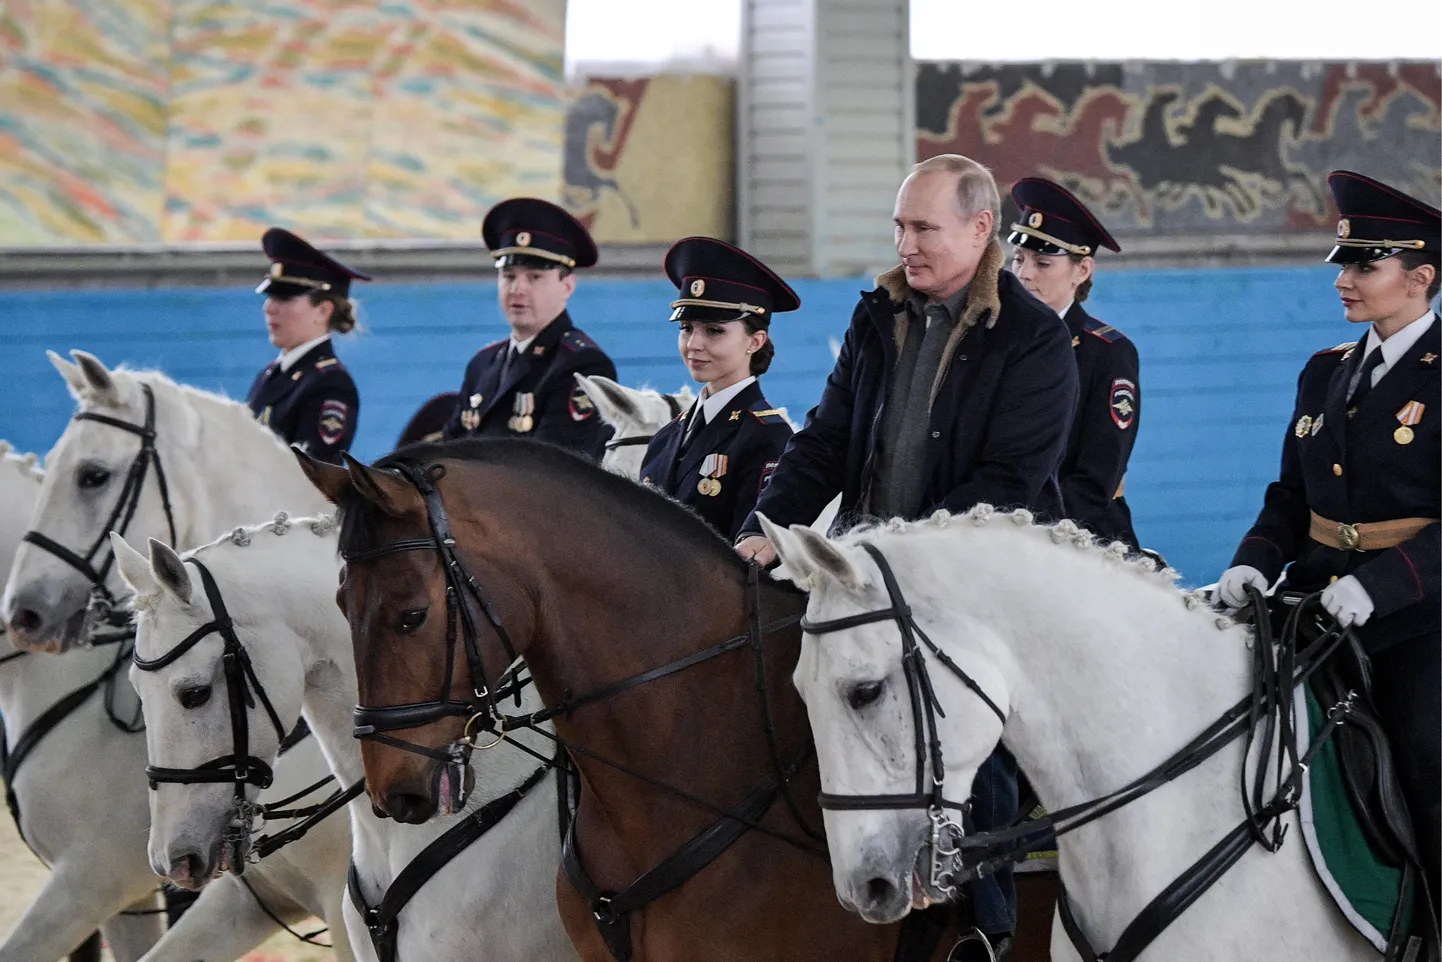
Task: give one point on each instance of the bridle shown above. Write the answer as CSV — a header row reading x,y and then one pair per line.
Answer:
x,y
240,767
614,443
946,832
482,709
1267,712
102,604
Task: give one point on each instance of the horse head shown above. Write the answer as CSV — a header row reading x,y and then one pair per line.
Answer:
x,y
875,714
116,466
182,661
634,415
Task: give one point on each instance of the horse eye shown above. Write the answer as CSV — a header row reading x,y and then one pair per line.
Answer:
x,y
863,694
411,619
195,697
93,476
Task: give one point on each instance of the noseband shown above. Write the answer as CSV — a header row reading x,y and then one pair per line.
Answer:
x,y
240,767
925,709
482,711
636,439
102,602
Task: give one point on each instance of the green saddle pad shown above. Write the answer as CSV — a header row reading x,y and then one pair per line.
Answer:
x,y
1366,889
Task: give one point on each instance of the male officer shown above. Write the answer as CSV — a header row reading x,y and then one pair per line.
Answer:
x,y
525,386
306,396
1056,240
954,386
1355,510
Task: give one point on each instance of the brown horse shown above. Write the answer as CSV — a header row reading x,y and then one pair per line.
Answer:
x,y
594,579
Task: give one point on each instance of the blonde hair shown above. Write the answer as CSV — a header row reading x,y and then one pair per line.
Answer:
x,y
976,188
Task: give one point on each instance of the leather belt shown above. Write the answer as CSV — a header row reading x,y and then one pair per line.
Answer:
x,y
1369,536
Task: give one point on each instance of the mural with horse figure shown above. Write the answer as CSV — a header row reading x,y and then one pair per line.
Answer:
x,y
649,160
1190,149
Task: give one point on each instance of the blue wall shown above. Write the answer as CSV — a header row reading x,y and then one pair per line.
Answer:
x,y
1220,351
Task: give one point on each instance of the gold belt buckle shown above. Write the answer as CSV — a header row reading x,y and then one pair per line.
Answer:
x,y
1349,536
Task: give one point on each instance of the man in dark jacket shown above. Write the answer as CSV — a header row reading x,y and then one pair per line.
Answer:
x,y
954,387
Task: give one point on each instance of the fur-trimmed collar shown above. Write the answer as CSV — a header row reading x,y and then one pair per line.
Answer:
x,y
982,298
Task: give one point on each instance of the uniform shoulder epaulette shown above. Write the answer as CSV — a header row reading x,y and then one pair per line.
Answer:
x,y
1345,346
574,340
326,362
770,416
1102,330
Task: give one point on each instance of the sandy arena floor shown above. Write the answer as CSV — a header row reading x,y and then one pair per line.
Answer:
x,y
21,875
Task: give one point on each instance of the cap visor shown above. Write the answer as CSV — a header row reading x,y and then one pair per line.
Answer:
x,y
1019,239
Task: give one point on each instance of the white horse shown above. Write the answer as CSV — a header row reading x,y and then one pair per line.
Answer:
x,y
637,414
82,792
1102,669
495,900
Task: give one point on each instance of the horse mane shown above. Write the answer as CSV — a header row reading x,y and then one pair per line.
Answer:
x,y
360,520
27,464
321,527
1065,532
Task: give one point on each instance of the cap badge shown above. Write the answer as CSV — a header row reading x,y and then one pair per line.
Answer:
x,y
523,239
1034,220
1344,228
276,270
698,287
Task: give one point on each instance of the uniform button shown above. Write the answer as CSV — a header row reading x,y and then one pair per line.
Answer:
x,y
935,435
1332,580
961,357
1337,470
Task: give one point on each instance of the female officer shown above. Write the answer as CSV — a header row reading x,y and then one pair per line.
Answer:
x,y
1056,241
306,395
716,457
1355,510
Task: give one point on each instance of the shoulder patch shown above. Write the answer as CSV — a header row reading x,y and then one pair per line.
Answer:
x,y
577,341
770,416
1345,346
333,418
1102,330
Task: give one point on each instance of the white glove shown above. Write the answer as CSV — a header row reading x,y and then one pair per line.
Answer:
x,y
1346,600
1231,586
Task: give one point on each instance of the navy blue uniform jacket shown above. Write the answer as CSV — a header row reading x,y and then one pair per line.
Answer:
x,y
314,404
543,381
747,432
1108,413
1353,470
1001,407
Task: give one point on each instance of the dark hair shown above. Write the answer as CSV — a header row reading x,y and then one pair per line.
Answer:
x,y
1085,287
1411,260
342,315
761,360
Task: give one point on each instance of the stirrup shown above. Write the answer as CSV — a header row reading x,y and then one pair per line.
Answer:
x,y
975,937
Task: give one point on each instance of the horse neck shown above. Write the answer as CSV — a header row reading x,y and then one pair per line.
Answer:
x,y
664,600
235,469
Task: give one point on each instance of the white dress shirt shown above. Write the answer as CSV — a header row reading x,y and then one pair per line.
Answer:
x,y
1392,348
288,358
713,404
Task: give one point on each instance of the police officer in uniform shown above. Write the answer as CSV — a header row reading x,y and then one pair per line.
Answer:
x,y
1355,510
306,395
525,386
716,457
1056,240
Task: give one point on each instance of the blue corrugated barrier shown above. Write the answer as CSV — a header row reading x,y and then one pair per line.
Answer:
x,y
1220,348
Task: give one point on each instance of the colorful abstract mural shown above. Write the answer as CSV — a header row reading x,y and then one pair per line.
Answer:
x,y
209,120
650,160
1191,149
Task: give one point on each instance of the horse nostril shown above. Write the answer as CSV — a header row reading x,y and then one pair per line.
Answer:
x,y
409,807
879,891
27,620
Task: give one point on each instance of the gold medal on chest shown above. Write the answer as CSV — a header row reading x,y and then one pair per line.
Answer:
x,y
522,421
712,470
1409,415
709,487
1304,424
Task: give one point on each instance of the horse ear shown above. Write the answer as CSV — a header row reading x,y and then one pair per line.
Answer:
x,y
382,488
97,378
609,397
133,567
169,570
331,480
71,372
807,554
685,397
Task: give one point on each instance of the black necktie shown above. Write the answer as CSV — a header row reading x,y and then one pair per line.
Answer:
x,y
1364,383
693,428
